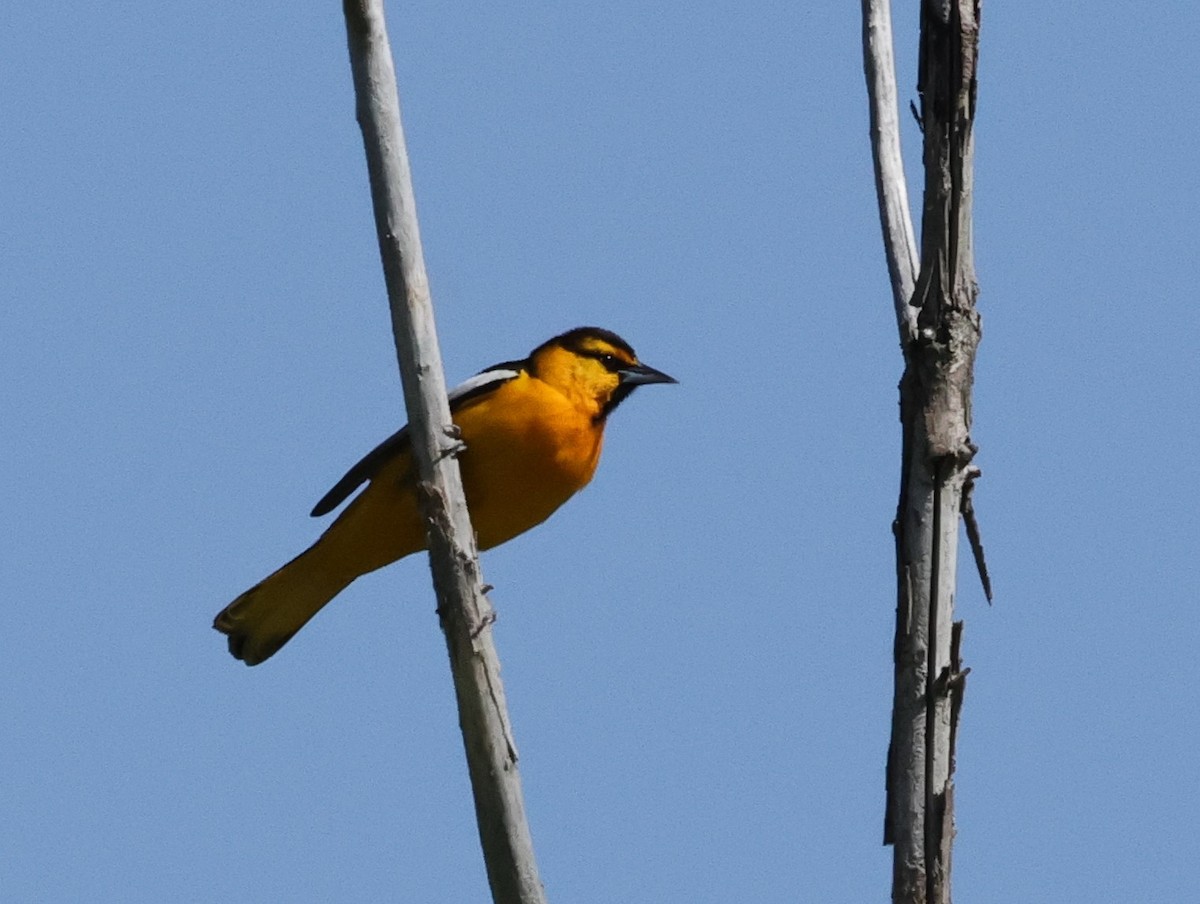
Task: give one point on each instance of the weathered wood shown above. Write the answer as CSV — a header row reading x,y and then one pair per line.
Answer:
x,y
465,613
973,535
939,333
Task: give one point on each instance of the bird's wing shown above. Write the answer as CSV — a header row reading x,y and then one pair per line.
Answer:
x,y
483,382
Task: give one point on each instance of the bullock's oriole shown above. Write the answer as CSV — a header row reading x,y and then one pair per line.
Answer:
x,y
532,430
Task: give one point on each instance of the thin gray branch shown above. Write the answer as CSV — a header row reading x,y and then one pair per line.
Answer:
x,y
899,242
466,615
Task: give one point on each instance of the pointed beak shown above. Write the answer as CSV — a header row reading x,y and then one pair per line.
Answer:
x,y
640,374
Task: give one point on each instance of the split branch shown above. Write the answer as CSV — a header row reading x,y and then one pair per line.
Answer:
x,y
939,334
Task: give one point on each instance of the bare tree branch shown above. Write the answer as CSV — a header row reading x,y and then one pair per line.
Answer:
x,y
465,613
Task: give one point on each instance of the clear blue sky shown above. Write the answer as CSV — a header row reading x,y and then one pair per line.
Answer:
x,y
697,649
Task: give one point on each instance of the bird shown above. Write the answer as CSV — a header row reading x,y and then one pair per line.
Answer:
x,y
532,432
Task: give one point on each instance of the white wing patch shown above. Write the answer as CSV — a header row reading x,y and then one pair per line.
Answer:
x,y
479,381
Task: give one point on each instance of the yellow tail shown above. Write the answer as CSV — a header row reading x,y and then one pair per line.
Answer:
x,y
265,617
380,526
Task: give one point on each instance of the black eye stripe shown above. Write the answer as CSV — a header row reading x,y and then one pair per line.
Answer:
x,y
610,361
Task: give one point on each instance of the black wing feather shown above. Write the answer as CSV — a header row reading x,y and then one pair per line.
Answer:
x,y
361,472
370,464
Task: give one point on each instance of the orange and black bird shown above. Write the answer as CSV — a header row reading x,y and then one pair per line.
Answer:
x,y
532,430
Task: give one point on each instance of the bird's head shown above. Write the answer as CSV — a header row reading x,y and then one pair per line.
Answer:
x,y
593,366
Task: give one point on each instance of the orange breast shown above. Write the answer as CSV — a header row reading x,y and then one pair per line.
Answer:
x,y
529,450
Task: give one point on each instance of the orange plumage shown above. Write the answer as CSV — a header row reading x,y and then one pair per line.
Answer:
x,y
533,431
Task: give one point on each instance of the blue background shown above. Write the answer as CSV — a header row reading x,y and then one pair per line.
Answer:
x,y
697,650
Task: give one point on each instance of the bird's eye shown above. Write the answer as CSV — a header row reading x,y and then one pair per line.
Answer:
x,y
611,362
